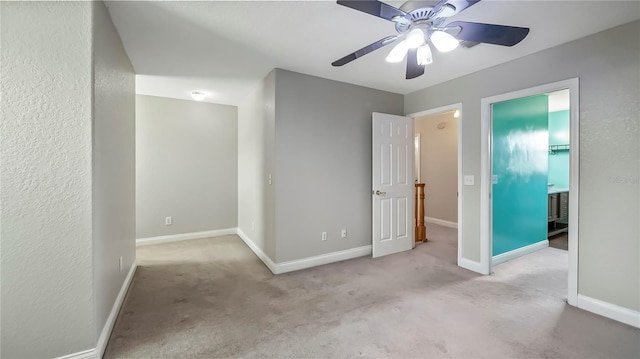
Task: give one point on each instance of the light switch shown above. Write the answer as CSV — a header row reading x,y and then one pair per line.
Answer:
x,y
494,179
469,180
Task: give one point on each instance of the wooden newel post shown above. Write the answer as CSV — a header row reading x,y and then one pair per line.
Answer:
x,y
421,229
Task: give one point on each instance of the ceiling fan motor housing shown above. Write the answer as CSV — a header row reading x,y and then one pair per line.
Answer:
x,y
422,16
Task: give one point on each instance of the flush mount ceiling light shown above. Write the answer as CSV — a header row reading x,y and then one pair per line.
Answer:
x,y
197,95
419,23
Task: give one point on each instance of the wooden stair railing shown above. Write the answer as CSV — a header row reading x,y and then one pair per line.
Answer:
x,y
421,229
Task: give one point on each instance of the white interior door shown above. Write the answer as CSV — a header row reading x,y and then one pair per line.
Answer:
x,y
393,188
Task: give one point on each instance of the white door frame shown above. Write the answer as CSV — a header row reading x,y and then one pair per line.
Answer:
x,y
453,107
574,172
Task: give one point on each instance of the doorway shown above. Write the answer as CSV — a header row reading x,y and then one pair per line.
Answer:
x,y
511,154
438,165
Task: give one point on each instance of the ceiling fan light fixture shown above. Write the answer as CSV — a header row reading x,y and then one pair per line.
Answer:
x,y
415,39
398,52
424,55
443,41
447,10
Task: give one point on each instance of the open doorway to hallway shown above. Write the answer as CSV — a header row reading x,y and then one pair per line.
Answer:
x,y
437,172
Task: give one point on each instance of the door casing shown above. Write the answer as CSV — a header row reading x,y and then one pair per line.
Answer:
x,y
447,108
574,156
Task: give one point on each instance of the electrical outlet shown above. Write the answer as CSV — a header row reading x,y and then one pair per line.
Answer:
x,y
168,221
343,233
469,180
253,225
120,263
324,236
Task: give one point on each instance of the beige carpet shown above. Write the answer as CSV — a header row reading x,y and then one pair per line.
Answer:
x,y
213,298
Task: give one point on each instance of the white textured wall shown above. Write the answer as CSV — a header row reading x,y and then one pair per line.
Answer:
x,y
323,163
45,170
608,65
439,165
113,165
186,166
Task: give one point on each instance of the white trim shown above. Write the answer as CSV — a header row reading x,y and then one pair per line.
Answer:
x,y
98,351
417,157
456,106
111,319
574,188
85,354
441,222
485,185
611,311
460,182
471,265
507,256
303,263
322,259
574,175
263,257
184,236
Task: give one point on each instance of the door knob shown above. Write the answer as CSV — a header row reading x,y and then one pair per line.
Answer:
x,y
380,193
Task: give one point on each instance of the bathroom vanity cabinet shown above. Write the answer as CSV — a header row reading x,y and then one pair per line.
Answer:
x,y
558,213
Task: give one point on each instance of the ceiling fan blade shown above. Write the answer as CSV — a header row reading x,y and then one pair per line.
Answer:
x,y
413,68
373,7
365,50
489,33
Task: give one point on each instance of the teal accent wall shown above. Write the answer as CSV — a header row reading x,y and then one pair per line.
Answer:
x,y
559,161
520,154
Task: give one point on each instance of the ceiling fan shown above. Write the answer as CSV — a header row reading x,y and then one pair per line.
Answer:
x,y
421,23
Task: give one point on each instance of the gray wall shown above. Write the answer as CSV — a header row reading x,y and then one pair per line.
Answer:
x,y
322,174
186,166
269,112
45,197
608,65
113,165
439,165
251,183
255,147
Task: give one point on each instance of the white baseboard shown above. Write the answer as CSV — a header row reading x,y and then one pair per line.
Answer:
x,y
263,257
98,351
85,354
612,311
501,258
471,265
314,261
441,222
184,236
290,266
111,319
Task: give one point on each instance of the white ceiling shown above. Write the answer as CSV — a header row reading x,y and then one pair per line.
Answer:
x,y
559,100
225,48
